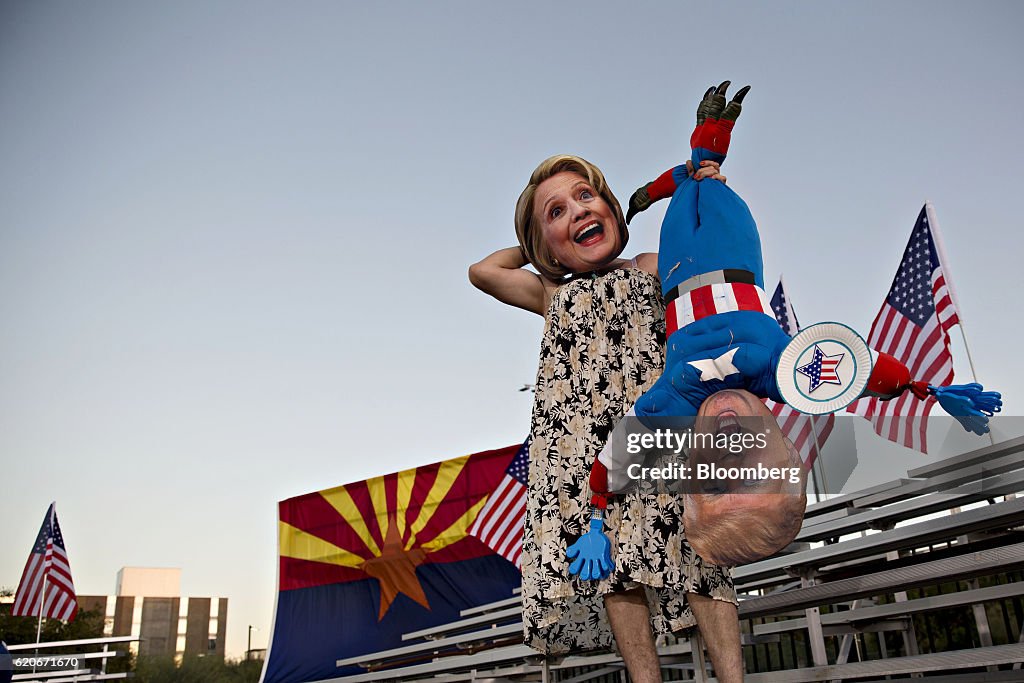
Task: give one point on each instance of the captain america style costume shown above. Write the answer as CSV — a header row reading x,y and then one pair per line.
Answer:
x,y
722,333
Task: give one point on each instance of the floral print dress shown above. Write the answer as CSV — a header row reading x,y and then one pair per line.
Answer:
x,y
603,346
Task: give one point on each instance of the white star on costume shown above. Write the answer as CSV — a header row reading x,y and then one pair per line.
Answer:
x,y
716,368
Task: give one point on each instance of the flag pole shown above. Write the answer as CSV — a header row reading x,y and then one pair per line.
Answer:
x,y
817,449
933,223
815,468
42,601
39,622
814,480
42,594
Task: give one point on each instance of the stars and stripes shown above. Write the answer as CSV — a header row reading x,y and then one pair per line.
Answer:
x,y
822,368
46,583
500,523
713,299
783,311
913,327
808,433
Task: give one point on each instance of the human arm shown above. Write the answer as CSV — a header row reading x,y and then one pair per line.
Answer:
x,y
502,276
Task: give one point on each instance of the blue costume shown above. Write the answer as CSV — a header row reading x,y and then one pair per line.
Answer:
x,y
722,333
712,277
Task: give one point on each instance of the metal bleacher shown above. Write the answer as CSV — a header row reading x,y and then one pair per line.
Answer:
x,y
88,663
847,574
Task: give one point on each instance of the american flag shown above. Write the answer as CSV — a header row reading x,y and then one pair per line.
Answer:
x,y
913,326
799,428
500,523
48,573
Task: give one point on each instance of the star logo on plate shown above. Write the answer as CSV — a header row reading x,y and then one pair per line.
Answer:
x,y
822,369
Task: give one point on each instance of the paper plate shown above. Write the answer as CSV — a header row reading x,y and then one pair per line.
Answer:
x,y
824,369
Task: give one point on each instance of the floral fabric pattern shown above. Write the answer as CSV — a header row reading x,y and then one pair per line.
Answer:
x,y
603,346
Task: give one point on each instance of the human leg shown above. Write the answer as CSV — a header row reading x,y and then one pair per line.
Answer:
x,y
630,619
719,623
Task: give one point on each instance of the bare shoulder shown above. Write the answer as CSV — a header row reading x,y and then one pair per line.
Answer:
x,y
648,262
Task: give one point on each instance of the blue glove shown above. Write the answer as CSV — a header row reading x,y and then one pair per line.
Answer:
x,y
969,403
592,553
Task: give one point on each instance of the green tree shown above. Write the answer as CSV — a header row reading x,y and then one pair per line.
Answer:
x,y
22,630
196,670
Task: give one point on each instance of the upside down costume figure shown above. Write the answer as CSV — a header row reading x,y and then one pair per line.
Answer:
x,y
721,331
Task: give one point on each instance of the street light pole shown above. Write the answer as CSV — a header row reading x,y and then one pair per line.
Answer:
x,y
248,649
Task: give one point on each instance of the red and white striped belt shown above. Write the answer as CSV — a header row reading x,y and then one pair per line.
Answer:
x,y
727,291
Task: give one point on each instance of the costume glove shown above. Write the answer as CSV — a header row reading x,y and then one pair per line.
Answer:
x,y
969,403
592,553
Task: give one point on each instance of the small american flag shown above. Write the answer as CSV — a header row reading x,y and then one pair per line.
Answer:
x,y
913,326
806,432
500,523
48,564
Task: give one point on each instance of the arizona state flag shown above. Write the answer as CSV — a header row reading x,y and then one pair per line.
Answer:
x,y
363,563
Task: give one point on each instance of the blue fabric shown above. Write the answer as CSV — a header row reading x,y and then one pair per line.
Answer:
x,y
708,227
317,626
680,390
6,664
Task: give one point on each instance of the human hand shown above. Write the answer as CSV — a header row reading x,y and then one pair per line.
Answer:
x,y
592,553
708,169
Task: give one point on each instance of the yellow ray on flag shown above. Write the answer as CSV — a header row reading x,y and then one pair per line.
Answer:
x,y
457,531
303,545
406,480
341,500
379,501
446,475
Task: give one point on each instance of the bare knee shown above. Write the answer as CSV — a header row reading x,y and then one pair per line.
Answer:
x,y
633,597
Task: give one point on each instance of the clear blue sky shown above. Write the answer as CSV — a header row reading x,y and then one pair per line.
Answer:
x,y
234,236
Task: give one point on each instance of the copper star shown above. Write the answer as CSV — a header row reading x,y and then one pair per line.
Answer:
x,y
395,569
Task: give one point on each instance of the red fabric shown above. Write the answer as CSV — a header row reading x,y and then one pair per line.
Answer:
x,y
703,302
374,504
599,485
920,389
663,187
704,134
714,135
889,377
723,137
671,320
599,478
746,297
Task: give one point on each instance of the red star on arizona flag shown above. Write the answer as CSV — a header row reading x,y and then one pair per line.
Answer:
x,y
822,369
